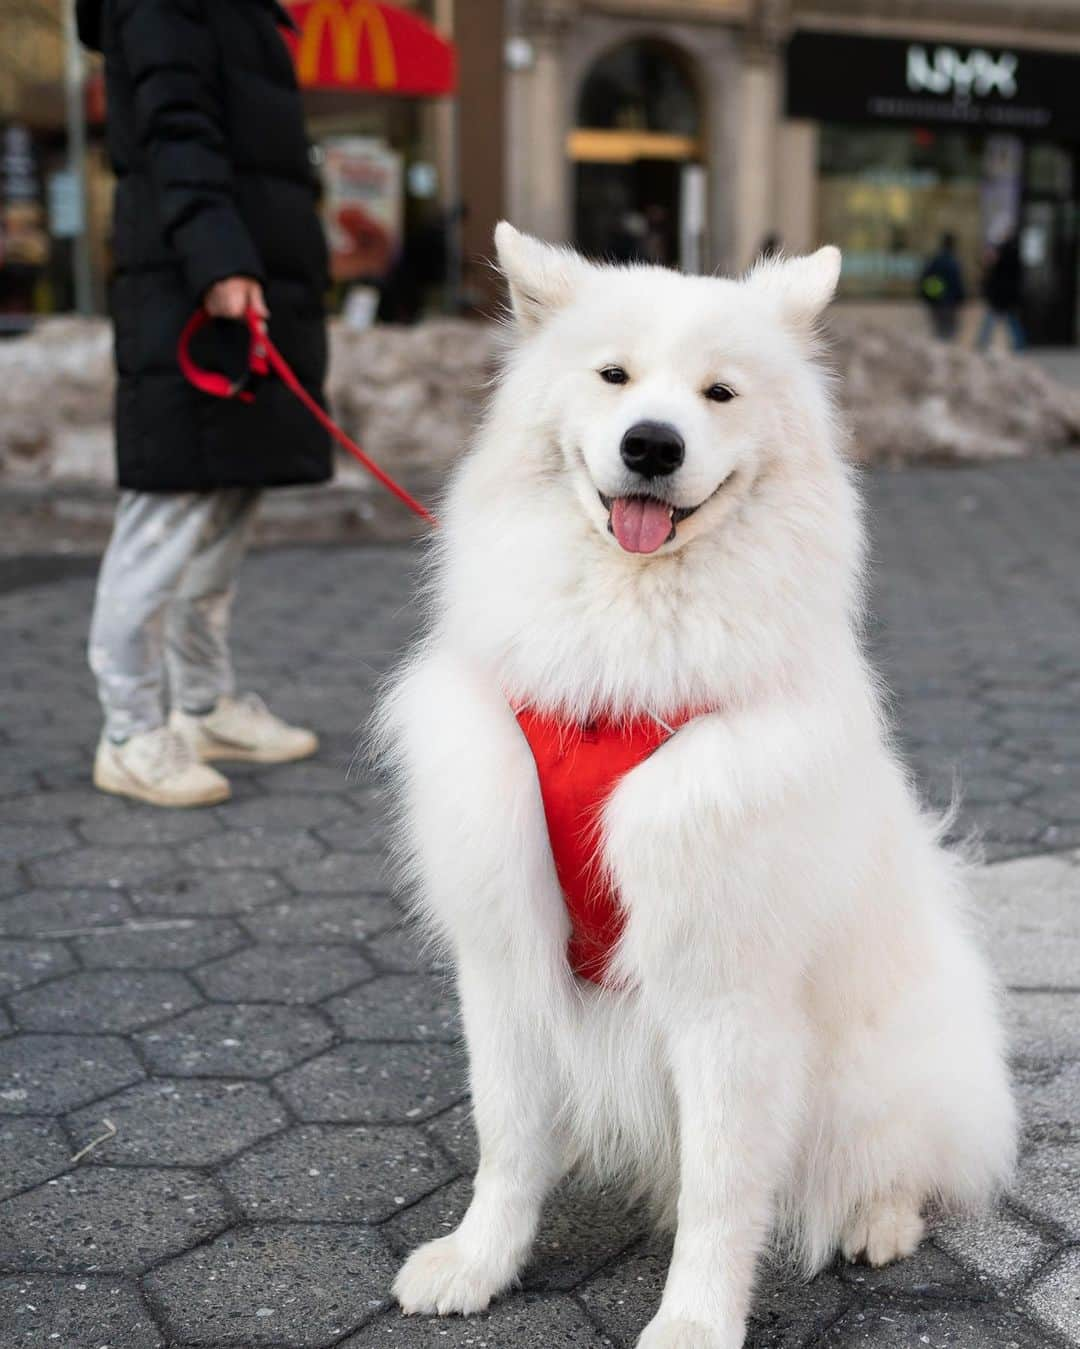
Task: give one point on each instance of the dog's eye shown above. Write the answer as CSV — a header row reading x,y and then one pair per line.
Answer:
x,y
614,374
719,393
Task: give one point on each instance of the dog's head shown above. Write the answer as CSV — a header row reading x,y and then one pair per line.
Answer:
x,y
665,395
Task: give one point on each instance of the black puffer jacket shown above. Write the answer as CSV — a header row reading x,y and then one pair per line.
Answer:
x,y
214,179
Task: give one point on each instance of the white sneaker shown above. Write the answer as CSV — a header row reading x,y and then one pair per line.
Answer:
x,y
243,728
158,767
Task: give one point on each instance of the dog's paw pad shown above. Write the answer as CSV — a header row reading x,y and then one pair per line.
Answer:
x,y
679,1334
883,1232
441,1279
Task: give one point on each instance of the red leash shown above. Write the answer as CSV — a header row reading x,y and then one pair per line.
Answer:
x,y
264,359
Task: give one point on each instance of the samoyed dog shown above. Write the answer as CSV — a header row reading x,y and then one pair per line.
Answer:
x,y
761,1008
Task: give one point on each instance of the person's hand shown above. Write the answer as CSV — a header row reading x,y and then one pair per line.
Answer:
x,y
233,297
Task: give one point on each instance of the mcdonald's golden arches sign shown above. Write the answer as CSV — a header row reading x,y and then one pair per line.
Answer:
x,y
362,44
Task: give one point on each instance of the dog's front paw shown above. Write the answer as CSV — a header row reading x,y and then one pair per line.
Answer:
x,y
442,1278
882,1232
668,1333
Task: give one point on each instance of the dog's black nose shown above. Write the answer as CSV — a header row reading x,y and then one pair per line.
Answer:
x,y
652,449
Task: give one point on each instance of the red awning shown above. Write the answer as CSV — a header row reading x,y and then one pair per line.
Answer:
x,y
364,44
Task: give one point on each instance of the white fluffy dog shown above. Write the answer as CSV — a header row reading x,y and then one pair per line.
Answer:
x,y
794,1034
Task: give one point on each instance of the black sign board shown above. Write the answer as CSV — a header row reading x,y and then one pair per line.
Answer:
x,y
840,77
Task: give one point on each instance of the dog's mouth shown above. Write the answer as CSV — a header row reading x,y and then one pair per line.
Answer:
x,y
643,523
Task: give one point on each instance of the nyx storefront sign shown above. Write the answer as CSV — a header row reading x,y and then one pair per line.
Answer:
x,y
834,77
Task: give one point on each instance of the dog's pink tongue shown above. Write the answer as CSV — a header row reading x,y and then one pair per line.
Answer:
x,y
641,524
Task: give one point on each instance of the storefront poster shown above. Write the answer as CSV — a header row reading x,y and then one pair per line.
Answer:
x,y
362,179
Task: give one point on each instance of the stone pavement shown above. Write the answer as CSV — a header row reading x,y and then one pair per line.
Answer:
x,y
222,1007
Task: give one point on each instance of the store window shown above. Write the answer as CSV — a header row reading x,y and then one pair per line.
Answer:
x,y
888,194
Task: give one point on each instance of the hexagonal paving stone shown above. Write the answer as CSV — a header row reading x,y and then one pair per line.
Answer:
x,y
100,1218
437,1215
1048,1092
581,1231
786,1312
103,866
338,873
375,1084
159,943
981,1325
149,827
312,776
399,1007
522,1321
65,805
109,1000
1054,1297
11,878
279,1283
928,1272
216,894
1044,1025
73,1310
998,1246
336,1173
20,842
1046,1184
294,974
271,848
68,804
313,919
1030,908
283,810
25,963
455,1133
399,951
48,913
364,830
235,1040
31,1150
45,1074
181,1123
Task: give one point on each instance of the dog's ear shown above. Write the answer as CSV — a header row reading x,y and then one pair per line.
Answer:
x,y
541,277
802,286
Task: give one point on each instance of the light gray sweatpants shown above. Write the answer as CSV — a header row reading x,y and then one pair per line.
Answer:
x,y
162,606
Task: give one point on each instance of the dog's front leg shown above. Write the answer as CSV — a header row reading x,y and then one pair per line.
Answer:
x,y
737,1065
475,827
513,1106
720,977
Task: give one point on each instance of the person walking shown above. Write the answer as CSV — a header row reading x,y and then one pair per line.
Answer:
x,y
942,288
215,206
1003,290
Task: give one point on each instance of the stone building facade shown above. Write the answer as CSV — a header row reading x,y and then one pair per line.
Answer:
x,y
779,132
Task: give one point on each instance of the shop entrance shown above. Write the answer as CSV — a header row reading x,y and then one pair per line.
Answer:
x,y
638,179
1048,245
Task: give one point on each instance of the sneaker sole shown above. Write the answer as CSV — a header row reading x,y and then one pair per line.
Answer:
x,y
116,786
226,754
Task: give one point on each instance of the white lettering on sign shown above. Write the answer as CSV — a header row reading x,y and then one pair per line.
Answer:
x,y
945,71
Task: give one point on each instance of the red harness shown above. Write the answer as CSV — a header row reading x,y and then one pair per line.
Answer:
x,y
579,767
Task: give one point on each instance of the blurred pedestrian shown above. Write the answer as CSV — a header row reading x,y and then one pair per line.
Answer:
x,y
1003,291
215,206
942,288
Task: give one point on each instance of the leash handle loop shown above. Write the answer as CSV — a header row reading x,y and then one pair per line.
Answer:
x,y
214,382
264,359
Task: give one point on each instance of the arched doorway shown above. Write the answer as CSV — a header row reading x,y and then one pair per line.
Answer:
x,y
639,183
